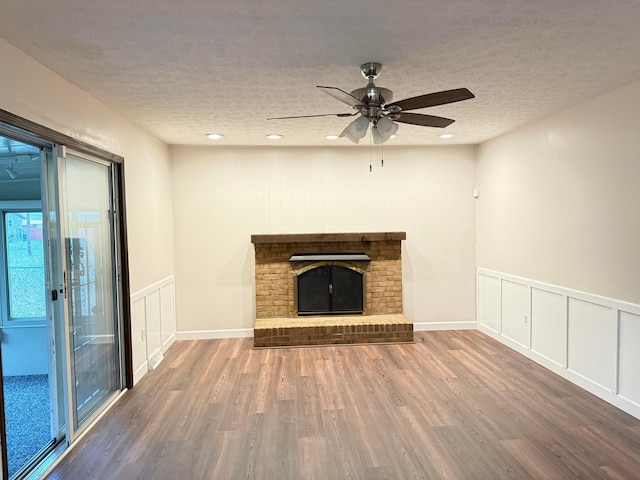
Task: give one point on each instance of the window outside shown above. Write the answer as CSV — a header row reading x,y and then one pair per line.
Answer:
x,y
25,265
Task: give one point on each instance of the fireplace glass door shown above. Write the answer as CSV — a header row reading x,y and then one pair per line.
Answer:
x,y
330,289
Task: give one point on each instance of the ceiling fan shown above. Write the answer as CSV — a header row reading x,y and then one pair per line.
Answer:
x,y
375,106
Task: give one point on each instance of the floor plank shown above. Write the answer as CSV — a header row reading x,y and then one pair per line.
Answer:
x,y
453,405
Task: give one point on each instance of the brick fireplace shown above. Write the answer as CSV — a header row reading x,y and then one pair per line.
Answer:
x,y
277,319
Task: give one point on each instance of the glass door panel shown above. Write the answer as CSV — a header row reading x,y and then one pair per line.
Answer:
x,y
92,312
25,346
28,380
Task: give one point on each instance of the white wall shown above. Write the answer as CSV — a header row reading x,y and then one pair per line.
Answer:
x,y
30,90
34,92
559,199
223,195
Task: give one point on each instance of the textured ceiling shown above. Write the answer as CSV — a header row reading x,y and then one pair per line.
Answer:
x,y
184,69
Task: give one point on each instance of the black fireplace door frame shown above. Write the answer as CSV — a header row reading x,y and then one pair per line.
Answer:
x,y
330,289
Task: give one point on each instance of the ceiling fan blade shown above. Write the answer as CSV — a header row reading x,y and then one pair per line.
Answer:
x,y
424,120
312,116
343,96
434,99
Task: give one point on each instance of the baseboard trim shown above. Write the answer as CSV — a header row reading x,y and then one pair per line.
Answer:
x,y
168,343
140,372
433,326
618,401
214,334
583,337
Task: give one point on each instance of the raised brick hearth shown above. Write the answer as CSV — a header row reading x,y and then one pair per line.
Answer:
x,y
279,332
277,322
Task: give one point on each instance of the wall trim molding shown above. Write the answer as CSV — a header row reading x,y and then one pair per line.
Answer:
x,y
214,334
140,372
153,325
585,338
150,288
167,344
437,326
620,402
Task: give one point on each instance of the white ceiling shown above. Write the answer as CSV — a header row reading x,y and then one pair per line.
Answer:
x,y
181,69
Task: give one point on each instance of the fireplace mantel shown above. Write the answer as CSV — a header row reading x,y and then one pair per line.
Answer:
x,y
329,237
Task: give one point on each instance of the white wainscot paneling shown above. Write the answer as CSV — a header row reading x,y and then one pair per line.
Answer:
x,y
592,339
548,325
489,302
138,338
515,312
153,317
629,378
168,318
152,325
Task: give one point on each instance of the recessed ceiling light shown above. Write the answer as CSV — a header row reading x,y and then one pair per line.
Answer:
x,y
332,137
446,135
274,136
214,136
395,135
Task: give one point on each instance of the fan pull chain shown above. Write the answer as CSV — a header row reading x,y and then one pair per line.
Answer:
x,y
382,155
370,163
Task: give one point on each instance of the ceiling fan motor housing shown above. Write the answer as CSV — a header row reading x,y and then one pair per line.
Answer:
x,y
374,98
372,95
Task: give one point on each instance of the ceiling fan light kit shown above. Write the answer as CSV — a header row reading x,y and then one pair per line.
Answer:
x,y
375,106
383,130
356,129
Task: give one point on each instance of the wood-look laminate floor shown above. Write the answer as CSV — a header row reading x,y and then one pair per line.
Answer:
x,y
454,405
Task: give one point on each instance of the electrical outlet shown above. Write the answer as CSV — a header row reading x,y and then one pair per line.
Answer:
x,y
143,334
526,320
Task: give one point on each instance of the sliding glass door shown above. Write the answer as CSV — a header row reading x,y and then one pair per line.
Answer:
x,y
63,314
92,300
